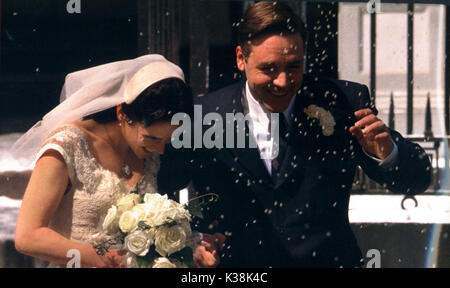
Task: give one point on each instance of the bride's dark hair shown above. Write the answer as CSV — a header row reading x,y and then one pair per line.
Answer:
x,y
159,102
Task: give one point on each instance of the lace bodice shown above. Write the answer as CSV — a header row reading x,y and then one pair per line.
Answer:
x,y
93,189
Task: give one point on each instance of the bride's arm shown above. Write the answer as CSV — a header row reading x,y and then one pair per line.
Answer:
x,y
43,195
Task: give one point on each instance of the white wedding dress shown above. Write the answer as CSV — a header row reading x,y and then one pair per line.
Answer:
x,y
92,190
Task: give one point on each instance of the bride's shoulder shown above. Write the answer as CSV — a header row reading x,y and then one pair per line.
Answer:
x,y
73,133
83,129
68,140
66,131
86,126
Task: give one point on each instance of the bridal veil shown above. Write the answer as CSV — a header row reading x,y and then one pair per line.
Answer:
x,y
93,90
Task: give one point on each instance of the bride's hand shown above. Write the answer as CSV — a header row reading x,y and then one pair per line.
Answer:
x,y
113,259
206,254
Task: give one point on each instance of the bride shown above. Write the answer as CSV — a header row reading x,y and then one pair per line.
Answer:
x,y
102,141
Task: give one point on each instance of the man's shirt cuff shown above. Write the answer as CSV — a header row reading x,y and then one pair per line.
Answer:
x,y
388,161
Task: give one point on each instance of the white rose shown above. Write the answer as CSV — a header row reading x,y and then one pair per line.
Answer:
x,y
138,242
127,202
170,211
128,222
169,240
149,215
162,217
176,211
110,222
153,203
140,212
154,197
163,262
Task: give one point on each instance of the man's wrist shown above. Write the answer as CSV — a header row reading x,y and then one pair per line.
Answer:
x,y
389,161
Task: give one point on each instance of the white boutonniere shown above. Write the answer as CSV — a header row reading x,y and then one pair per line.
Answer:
x,y
326,120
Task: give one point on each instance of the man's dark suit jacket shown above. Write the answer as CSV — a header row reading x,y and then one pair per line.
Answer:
x,y
302,220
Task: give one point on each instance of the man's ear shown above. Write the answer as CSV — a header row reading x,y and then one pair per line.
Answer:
x,y
240,59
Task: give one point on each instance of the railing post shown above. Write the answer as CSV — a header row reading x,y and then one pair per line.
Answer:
x,y
391,112
447,71
428,133
0,34
428,129
410,82
373,56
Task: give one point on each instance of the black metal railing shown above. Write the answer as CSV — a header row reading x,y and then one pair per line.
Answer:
x,y
435,147
447,70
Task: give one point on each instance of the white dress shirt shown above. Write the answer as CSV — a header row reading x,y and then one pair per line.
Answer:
x,y
259,124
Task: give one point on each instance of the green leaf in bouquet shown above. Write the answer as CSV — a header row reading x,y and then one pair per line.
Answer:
x,y
185,256
170,222
101,248
142,225
135,190
144,261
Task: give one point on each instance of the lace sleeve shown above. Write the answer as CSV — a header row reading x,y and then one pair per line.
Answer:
x,y
62,140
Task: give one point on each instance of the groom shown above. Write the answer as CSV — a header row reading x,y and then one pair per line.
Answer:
x,y
292,210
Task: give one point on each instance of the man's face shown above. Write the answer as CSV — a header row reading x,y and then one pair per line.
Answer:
x,y
274,69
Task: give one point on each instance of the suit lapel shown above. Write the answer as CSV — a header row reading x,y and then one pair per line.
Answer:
x,y
247,159
286,167
250,161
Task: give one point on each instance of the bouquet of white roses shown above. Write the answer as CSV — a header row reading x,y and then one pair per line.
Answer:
x,y
154,230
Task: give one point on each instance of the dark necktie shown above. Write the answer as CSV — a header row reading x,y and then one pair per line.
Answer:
x,y
278,161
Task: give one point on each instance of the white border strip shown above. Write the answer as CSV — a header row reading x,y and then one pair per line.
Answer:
x,y
387,209
366,208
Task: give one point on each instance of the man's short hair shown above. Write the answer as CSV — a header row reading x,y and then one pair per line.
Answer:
x,y
268,17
